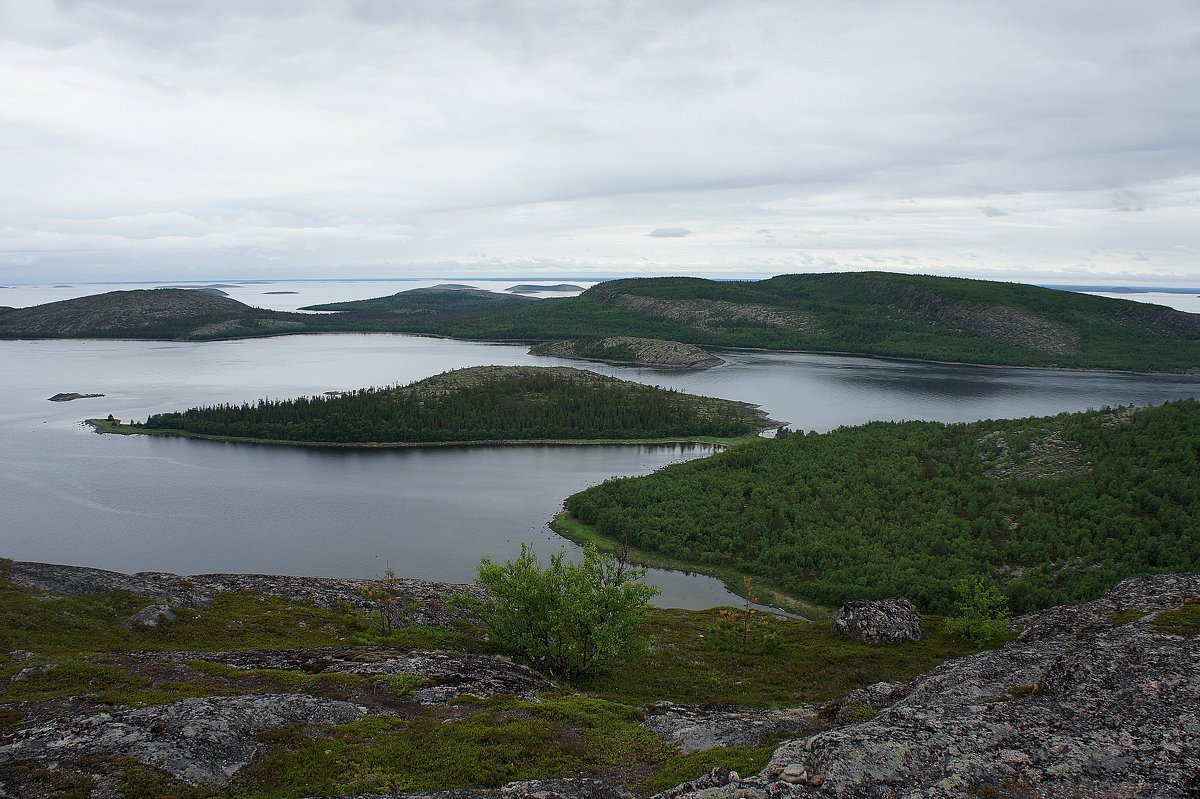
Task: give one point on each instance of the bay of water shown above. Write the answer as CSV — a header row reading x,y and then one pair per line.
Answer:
x,y
134,503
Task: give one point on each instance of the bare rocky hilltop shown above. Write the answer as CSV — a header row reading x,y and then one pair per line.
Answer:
x,y
1099,699
632,351
166,313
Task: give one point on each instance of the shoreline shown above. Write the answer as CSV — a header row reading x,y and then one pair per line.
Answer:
x,y
1194,372
106,427
770,596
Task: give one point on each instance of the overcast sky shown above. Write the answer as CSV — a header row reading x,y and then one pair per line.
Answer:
x,y
1049,141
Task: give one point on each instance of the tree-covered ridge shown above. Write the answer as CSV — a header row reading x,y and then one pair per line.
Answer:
x,y
870,313
485,403
1054,509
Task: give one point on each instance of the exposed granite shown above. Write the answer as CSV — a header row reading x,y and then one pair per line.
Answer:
x,y
879,621
196,740
425,602
694,728
1083,704
448,675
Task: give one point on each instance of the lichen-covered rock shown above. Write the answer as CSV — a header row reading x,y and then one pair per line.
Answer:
x,y
879,621
447,675
425,602
196,740
582,788
1091,700
864,703
152,616
693,728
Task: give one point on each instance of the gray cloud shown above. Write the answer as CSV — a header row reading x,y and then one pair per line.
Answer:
x,y
368,137
669,233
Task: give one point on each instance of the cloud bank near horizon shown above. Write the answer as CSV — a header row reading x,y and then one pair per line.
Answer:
x,y
364,138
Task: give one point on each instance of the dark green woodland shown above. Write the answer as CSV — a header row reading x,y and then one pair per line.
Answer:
x,y
485,403
1052,509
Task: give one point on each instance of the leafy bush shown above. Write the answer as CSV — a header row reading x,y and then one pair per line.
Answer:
x,y
570,618
982,612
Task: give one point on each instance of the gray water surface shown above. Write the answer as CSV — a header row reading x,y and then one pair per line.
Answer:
x,y
134,503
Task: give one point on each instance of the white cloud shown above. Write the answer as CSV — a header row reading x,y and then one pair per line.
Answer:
x,y
264,138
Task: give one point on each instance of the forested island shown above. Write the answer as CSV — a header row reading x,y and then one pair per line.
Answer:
x,y
479,404
865,313
1052,510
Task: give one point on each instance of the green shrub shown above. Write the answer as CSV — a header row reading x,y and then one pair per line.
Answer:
x,y
570,618
981,614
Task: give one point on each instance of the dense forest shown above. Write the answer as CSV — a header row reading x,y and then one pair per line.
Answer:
x,y
487,403
1052,509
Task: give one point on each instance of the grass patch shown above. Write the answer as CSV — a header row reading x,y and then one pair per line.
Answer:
x,y
92,623
1183,620
812,664
104,683
681,768
1126,616
509,739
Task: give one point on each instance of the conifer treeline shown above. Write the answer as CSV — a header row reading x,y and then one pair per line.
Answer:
x,y
530,405
1055,510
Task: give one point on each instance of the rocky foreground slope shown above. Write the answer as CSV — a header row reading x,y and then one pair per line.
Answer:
x,y
1100,699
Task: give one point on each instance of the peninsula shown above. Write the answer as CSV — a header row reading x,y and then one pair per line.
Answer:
x,y
483,404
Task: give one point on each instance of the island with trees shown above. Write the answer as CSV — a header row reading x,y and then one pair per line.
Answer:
x,y
483,404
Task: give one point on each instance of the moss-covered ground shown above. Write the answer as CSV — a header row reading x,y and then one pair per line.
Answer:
x,y
592,728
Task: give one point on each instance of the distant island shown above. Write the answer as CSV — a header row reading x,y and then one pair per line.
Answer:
x,y
444,302
530,288
861,313
68,396
483,404
632,351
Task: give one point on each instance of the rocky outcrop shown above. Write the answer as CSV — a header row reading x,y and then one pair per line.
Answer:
x,y
425,602
152,616
694,728
72,395
447,675
582,788
706,314
196,740
632,351
1090,700
879,621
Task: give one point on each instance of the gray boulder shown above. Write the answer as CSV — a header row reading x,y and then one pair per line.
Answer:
x,y
879,621
152,616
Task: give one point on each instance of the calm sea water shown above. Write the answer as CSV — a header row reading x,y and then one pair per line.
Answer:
x,y
68,495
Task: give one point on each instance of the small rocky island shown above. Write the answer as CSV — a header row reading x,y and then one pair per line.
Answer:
x,y
483,404
631,350
72,395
